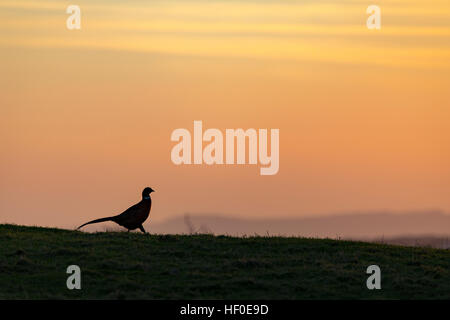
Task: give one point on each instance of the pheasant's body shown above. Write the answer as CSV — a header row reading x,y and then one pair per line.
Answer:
x,y
134,216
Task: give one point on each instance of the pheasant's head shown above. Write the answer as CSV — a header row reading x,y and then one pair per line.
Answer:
x,y
146,192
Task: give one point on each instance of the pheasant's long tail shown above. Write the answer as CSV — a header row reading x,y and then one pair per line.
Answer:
x,y
97,221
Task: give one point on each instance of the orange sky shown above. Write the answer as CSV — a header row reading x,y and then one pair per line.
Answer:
x,y
86,115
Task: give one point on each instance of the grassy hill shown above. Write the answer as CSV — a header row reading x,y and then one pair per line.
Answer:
x,y
123,265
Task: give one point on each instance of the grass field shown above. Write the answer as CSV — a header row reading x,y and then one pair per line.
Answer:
x,y
120,265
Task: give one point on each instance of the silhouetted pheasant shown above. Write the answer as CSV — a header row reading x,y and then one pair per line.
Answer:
x,y
134,216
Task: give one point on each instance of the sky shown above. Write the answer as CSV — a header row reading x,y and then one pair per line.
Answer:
x,y
87,115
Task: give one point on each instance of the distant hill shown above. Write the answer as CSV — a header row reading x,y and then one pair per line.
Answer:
x,y
121,265
358,226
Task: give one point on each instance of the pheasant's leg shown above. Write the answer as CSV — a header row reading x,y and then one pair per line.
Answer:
x,y
142,228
